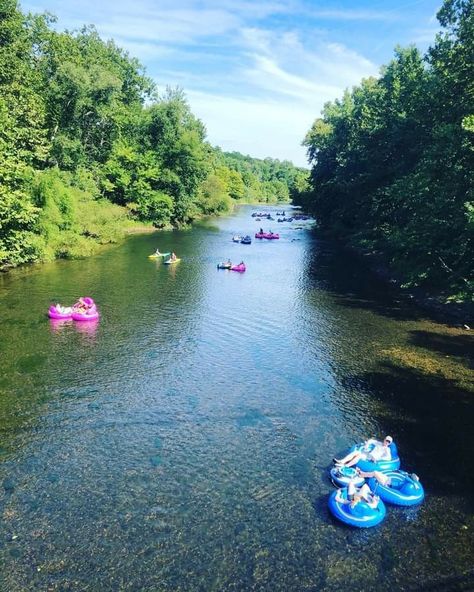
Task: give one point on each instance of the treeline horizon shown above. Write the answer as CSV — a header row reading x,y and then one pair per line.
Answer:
x,y
89,148
393,162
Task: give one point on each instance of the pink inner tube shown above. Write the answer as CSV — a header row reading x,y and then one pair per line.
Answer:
x,y
54,314
239,268
266,235
91,315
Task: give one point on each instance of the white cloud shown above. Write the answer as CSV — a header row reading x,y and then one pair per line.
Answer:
x,y
259,128
145,51
268,75
266,104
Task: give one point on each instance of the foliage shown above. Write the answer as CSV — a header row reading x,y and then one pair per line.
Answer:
x,y
253,180
214,196
87,146
393,160
71,222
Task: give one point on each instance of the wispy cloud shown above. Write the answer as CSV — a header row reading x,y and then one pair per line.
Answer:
x,y
173,26
282,64
356,15
284,86
145,51
267,74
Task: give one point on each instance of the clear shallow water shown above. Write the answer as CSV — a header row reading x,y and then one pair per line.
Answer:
x,y
182,443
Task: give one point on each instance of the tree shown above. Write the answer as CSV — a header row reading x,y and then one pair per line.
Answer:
x,y
176,138
393,159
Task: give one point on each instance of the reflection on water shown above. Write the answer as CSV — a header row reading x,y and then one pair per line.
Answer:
x,y
183,441
88,328
59,324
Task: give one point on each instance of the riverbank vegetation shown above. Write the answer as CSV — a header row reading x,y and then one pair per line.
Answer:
x,y
393,162
90,150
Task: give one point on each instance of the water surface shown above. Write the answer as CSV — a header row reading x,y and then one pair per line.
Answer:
x,y
183,442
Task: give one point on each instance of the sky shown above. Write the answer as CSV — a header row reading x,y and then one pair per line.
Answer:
x,y
256,72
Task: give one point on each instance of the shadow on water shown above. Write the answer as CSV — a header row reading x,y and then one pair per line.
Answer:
x,y
460,583
450,345
398,371
339,271
418,381
434,422
360,288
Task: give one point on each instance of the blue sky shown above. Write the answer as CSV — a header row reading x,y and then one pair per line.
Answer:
x,y
257,73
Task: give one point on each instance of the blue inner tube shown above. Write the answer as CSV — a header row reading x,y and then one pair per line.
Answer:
x,y
402,491
361,515
342,475
381,465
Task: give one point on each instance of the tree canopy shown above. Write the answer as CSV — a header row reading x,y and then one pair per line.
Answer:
x,y
393,160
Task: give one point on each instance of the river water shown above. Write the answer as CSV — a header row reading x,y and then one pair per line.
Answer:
x,y
182,442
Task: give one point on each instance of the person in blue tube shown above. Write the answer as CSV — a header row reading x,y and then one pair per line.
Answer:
x,y
378,451
356,495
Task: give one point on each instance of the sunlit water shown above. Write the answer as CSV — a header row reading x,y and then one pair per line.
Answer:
x,y
183,442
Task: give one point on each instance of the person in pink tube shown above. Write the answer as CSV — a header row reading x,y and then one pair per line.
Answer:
x,y
83,305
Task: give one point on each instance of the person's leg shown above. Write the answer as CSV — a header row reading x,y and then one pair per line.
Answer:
x,y
350,459
351,489
365,492
355,500
373,502
354,459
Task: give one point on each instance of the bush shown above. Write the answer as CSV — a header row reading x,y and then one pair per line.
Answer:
x,y
155,207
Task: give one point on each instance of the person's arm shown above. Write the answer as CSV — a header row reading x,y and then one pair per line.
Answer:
x,y
369,445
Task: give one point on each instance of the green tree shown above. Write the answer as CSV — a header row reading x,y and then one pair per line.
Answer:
x,y
176,137
392,162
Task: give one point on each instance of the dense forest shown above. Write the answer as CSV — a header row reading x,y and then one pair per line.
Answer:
x,y
393,161
89,149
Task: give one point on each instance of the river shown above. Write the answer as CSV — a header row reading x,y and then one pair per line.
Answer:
x,y
183,441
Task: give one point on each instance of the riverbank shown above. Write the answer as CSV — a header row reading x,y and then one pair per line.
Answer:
x,y
141,230
437,305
